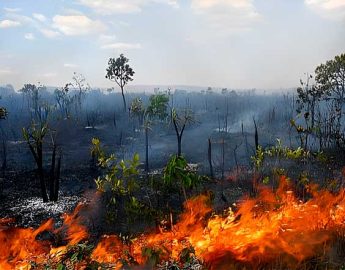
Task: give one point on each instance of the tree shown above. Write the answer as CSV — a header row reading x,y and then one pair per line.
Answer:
x,y
180,121
35,136
82,87
156,110
158,106
35,104
121,73
138,110
64,100
308,99
330,77
3,115
321,104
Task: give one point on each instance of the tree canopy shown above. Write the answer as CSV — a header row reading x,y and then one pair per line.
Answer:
x,y
322,101
120,72
331,77
158,106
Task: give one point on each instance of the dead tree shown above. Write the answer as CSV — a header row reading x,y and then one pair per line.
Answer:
x,y
3,115
55,168
223,157
209,155
256,136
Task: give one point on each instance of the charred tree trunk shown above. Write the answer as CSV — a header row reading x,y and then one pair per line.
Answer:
x,y
38,156
41,173
209,155
120,139
124,100
146,149
3,167
235,156
179,135
4,157
57,180
114,120
223,158
179,145
52,175
226,115
256,136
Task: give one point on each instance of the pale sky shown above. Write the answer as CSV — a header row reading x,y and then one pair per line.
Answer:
x,y
262,44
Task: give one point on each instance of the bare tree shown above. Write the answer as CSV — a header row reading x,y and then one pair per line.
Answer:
x,y
64,100
180,121
82,87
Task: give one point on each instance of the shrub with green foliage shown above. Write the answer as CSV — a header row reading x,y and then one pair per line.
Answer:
x,y
118,181
178,173
280,152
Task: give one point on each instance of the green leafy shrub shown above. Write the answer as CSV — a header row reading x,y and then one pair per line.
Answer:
x,y
178,173
119,179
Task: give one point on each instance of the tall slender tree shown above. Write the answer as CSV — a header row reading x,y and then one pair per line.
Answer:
x,y
121,73
155,110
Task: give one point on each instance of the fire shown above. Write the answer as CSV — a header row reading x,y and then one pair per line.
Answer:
x,y
17,245
74,231
20,247
274,225
109,250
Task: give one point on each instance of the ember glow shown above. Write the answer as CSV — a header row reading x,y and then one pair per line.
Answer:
x,y
273,226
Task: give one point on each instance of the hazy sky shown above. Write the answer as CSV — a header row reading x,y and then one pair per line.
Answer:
x,y
225,43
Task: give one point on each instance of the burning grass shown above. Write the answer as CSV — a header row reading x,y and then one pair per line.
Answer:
x,y
275,230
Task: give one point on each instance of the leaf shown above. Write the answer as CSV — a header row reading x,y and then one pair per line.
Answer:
x,y
266,180
74,257
136,157
95,141
61,267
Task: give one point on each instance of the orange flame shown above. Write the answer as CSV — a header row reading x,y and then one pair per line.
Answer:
x,y
19,247
273,225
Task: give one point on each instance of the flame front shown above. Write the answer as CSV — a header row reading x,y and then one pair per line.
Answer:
x,y
20,247
273,225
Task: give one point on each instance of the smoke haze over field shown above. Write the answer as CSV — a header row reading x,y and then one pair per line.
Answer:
x,y
225,43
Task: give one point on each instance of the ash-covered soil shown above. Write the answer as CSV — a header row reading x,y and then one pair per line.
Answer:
x,y
20,198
